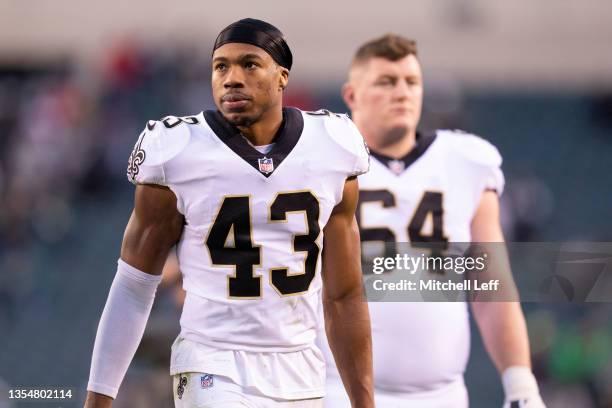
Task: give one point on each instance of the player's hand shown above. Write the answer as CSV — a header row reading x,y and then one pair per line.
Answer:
x,y
95,400
521,388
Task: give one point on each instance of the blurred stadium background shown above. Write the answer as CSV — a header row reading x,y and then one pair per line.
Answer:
x,y
78,80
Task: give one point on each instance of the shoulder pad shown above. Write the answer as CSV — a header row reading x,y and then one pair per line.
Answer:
x,y
162,142
158,143
471,147
344,132
322,112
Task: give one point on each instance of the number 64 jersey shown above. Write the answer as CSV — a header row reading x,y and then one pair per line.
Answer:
x,y
430,195
250,253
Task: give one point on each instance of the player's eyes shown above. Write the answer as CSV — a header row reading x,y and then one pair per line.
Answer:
x,y
250,65
385,82
220,67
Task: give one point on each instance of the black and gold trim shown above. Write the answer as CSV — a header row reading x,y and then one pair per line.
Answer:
x,y
423,141
285,139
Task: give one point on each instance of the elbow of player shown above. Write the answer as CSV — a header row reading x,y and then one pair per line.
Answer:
x,y
346,294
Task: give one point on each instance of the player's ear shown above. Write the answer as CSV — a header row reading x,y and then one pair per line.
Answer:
x,y
283,78
348,94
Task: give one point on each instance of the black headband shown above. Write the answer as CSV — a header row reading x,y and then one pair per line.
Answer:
x,y
260,34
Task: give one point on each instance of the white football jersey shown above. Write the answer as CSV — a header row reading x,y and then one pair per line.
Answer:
x,y
250,253
430,195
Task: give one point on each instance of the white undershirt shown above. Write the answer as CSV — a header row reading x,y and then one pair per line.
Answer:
x,y
264,149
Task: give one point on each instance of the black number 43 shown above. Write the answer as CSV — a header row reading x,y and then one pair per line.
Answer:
x,y
230,243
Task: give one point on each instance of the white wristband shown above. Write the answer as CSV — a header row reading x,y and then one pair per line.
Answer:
x,y
121,327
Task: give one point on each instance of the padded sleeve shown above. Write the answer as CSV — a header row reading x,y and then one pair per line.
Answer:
x,y
481,155
156,145
343,130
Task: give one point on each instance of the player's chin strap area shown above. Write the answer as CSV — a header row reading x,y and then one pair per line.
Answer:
x,y
521,388
121,327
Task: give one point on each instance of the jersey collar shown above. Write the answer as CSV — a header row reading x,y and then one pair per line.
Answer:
x,y
284,141
398,166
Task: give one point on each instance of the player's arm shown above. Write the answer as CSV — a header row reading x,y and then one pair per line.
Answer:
x,y
154,227
502,324
347,320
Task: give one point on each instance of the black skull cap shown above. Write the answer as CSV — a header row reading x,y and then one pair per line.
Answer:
x,y
260,34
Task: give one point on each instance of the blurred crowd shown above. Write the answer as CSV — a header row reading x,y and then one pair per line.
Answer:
x,y
66,130
64,126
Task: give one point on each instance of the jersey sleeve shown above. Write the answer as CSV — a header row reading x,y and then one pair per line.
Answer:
x,y
484,157
495,180
156,145
346,134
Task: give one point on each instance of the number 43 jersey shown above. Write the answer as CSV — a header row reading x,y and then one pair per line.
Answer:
x,y
250,253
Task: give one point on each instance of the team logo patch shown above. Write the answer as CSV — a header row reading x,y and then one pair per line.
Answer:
x,y
136,159
181,386
266,165
397,166
206,381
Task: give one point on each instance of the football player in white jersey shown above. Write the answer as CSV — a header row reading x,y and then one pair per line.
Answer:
x,y
261,202
438,187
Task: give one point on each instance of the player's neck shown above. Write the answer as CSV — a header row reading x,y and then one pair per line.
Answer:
x,y
398,149
263,131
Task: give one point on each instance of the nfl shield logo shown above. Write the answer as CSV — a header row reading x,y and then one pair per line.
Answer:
x,y
266,165
206,381
397,166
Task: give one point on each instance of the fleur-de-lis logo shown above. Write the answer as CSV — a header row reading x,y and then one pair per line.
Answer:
x,y
136,159
180,389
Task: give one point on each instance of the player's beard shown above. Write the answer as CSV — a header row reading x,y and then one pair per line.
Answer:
x,y
247,119
242,120
240,117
